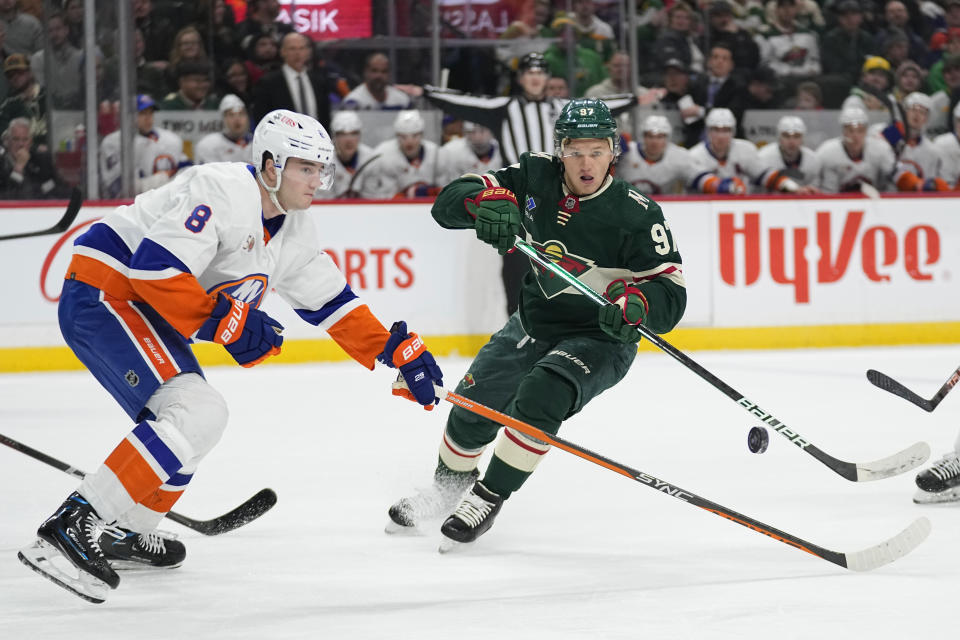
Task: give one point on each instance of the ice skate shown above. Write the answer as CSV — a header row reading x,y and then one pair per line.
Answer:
x,y
473,517
430,503
68,553
154,550
940,483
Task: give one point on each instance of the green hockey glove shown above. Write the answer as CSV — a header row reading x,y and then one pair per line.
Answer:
x,y
628,307
497,217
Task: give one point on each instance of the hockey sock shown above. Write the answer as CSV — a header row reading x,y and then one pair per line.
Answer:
x,y
543,399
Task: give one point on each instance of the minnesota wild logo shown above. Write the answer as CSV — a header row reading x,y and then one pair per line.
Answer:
x,y
468,380
551,284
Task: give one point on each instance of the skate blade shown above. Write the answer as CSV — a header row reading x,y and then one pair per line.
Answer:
x,y
134,566
394,529
942,497
45,559
448,546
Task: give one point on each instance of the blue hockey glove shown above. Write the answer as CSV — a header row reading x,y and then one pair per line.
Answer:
x,y
497,217
250,335
628,307
731,185
418,368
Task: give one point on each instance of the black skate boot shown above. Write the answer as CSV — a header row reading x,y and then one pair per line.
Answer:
x,y
431,503
73,533
143,550
941,482
473,517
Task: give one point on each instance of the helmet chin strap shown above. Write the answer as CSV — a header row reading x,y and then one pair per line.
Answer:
x,y
272,191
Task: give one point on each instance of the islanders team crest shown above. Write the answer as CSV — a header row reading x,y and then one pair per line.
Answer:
x,y
553,285
250,289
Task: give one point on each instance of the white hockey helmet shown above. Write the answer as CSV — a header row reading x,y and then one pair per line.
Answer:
x,y
853,116
409,121
657,125
721,118
917,99
346,122
791,124
284,134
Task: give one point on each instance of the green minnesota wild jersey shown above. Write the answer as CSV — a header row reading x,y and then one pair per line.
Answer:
x,y
615,233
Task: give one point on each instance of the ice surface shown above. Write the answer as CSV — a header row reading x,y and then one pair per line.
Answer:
x,y
580,552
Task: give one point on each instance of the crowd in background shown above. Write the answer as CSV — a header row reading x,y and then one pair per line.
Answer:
x,y
733,55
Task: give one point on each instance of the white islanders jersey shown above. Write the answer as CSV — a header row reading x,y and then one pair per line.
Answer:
x,y
672,173
948,146
457,157
394,175
347,174
217,147
156,158
808,164
841,173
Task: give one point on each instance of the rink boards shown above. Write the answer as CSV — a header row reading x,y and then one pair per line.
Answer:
x,y
761,273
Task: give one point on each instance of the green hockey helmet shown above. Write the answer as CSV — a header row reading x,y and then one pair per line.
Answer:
x,y
585,118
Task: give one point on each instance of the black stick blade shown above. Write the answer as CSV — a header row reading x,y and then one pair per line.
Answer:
x,y
885,382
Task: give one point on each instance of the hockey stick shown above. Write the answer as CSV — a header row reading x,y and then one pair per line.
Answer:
x,y
73,208
250,510
864,560
356,174
898,463
887,383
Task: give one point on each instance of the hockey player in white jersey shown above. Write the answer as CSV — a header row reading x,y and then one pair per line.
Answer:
x,y
853,159
476,152
948,146
407,166
790,156
732,165
157,154
352,157
193,260
918,160
657,165
232,144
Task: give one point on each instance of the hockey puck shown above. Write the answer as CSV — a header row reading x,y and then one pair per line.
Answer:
x,y
757,440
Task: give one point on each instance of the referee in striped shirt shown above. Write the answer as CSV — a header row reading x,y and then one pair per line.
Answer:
x,y
520,123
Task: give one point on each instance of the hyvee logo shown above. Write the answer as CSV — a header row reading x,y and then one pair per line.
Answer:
x,y
881,248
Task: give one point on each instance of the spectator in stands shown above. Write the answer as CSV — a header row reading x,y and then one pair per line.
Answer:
x,y
73,13
26,173
897,17
847,45
557,87
719,87
592,32
4,87
873,92
808,97
151,79
588,67
677,40
792,52
157,31
376,91
24,31
218,18
231,144
809,17
27,99
951,46
722,27
407,166
262,20
66,81
948,146
187,47
236,80
263,56
477,152
157,154
618,82
763,90
193,88
945,99
676,84
791,157
896,47
908,78
352,156
294,86
854,159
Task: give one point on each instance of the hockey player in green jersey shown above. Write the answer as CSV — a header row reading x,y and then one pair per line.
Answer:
x,y
557,352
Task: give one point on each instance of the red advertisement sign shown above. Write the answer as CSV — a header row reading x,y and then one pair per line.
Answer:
x,y
328,19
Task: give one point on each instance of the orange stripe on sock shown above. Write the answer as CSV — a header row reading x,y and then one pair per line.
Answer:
x,y
134,473
161,501
146,340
